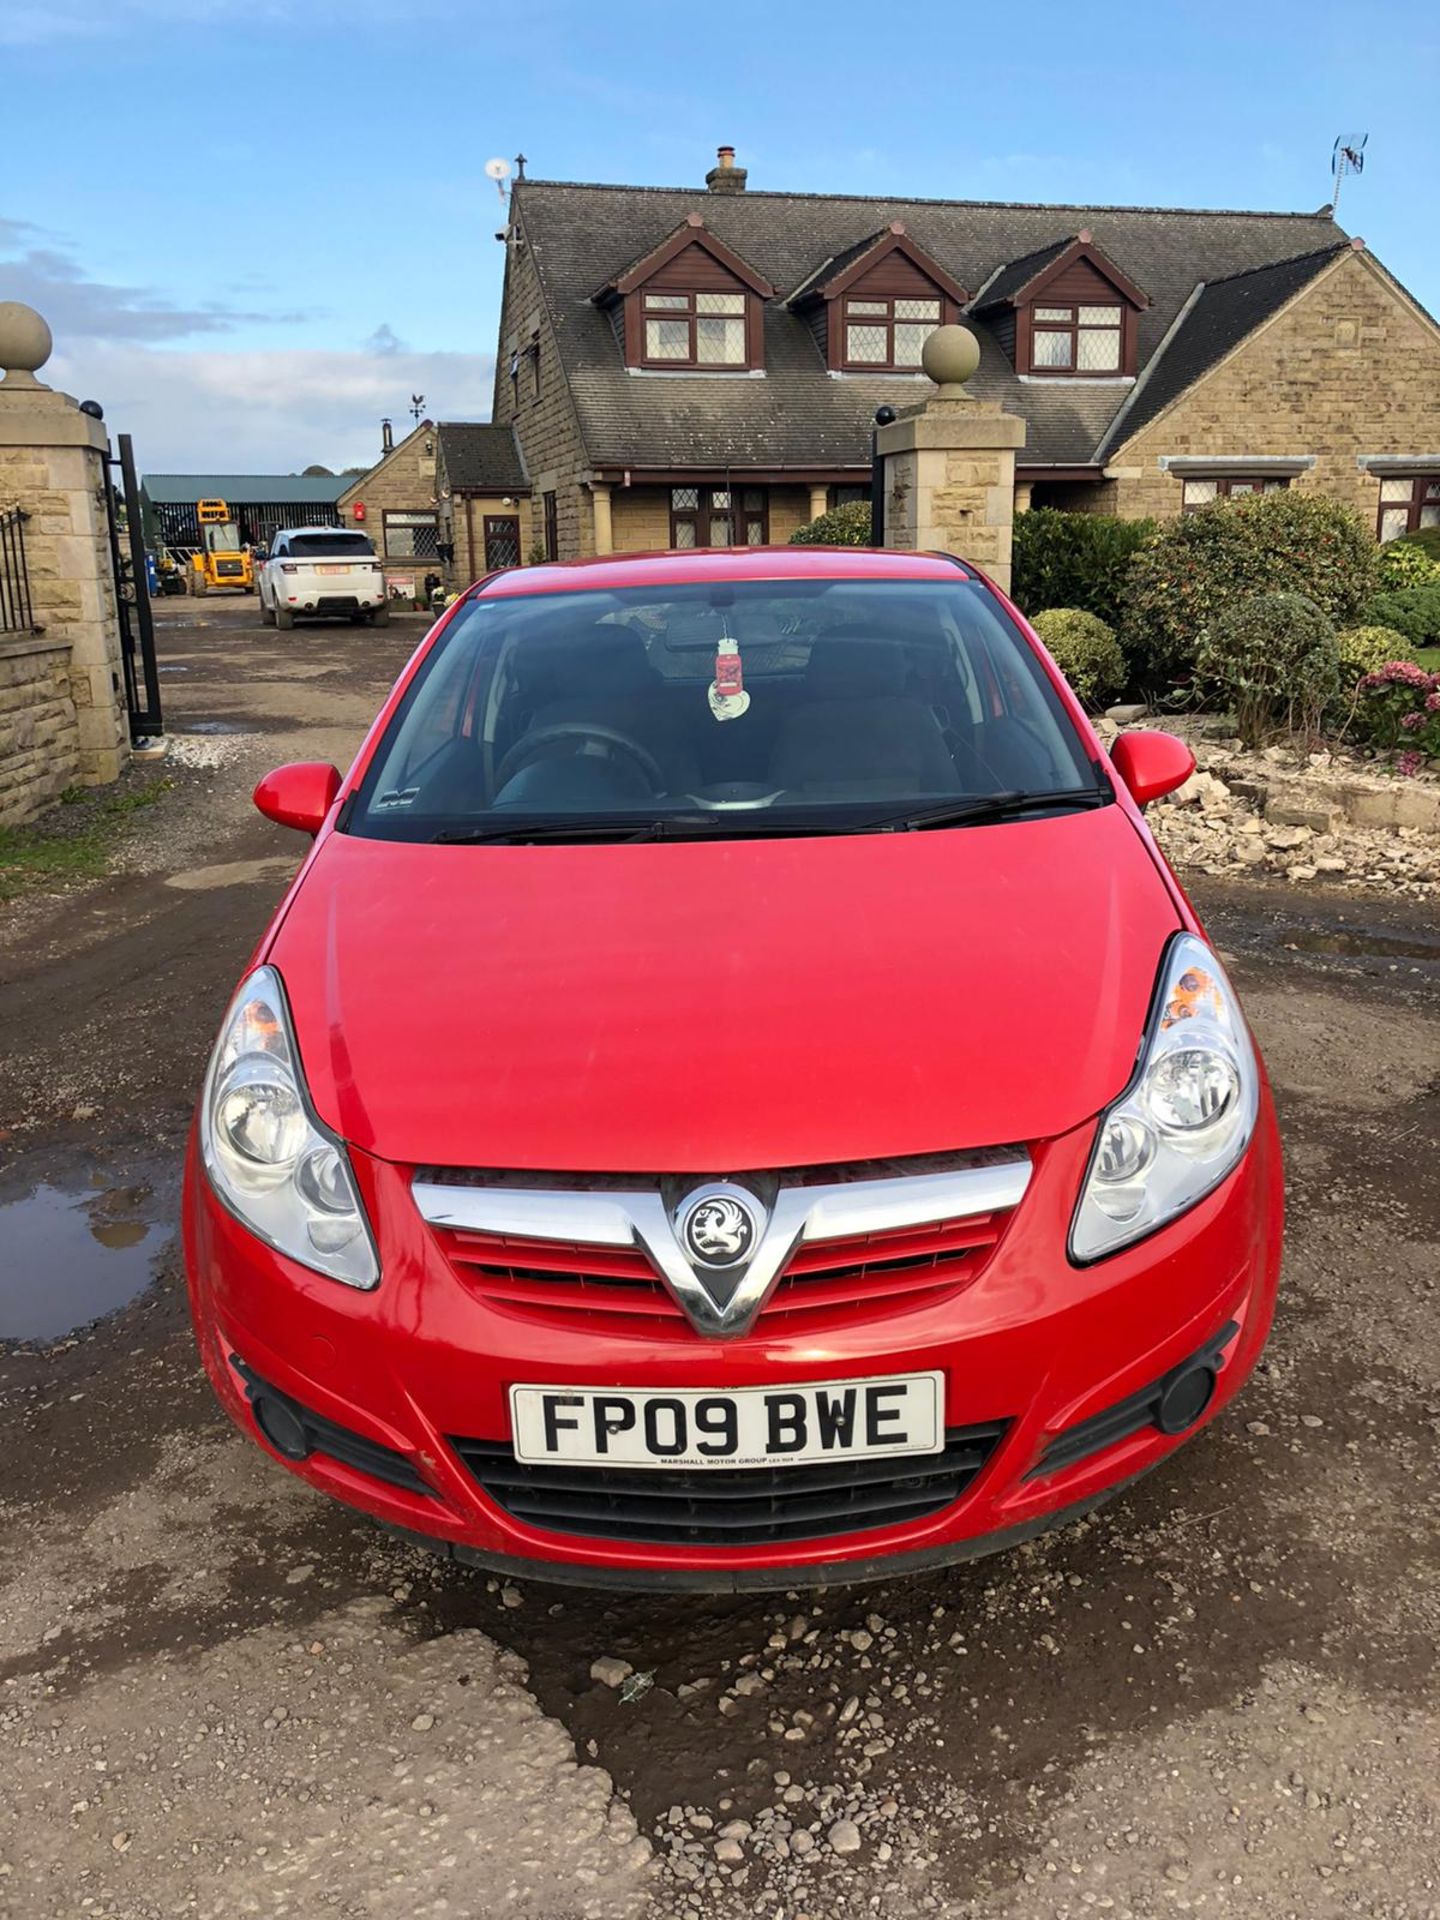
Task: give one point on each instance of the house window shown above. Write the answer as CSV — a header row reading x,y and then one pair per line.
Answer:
x,y
694,330
1202,493
1078,339
552,526
1407,505
888,333
532,354
849,496
412,536
719,516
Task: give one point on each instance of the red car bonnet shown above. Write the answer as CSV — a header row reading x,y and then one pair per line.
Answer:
x,y
719,1006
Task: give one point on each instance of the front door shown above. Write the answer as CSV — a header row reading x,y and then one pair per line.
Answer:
x,y
719,516
502,541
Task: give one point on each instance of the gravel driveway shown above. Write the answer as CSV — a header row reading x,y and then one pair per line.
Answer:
x,y
221,1695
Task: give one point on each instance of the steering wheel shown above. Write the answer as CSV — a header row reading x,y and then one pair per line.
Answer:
x,y
611,737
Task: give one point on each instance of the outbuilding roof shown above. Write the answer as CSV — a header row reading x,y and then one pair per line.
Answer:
x,y
481,457
245,489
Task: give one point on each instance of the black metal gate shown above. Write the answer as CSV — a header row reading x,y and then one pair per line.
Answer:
x,y
132,595
17,612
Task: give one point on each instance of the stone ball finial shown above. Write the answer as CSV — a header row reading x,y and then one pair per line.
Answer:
x,y
25,343
950,356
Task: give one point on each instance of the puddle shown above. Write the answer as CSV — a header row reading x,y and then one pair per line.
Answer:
x,y
215,726
1377,946
72,1255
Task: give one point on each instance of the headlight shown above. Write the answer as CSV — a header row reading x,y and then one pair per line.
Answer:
x,y
1185,1118
269,1158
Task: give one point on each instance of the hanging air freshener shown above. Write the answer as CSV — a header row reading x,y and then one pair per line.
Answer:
x,y
728,698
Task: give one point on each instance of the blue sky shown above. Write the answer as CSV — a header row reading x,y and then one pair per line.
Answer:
x,y
255,229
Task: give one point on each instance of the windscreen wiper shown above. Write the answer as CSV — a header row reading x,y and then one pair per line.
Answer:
x,y
997,806
721,825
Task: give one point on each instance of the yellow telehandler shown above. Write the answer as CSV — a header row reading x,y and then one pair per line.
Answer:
x,y
219,561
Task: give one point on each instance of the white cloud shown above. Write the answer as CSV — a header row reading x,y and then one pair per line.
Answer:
x,y
265,411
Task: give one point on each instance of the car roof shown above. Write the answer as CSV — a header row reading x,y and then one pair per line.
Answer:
x,y
287,533
613,572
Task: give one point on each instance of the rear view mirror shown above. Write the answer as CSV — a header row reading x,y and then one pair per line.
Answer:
x,y
1151,764
299,795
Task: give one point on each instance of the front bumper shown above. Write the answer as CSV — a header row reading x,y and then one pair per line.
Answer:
x,y
1051,1372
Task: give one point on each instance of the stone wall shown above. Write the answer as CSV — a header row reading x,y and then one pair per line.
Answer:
x,y
51,465
39,736
545,425
1349,367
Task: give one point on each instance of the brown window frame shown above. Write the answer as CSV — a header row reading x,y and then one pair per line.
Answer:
x,y
410,515
690,314
497,526
1226,485
858,297
1072,330
740,516
1420,484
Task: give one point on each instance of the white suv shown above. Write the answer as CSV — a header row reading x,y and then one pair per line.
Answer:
x,y
320,572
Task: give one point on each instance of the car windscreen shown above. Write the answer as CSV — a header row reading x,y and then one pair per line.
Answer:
x,y
315,546
828,703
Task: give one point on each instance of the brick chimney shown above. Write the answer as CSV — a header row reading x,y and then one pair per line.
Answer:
x,y
725,176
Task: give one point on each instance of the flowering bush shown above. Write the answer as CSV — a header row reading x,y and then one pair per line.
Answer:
x,y
1399,706
1273,657
1085,650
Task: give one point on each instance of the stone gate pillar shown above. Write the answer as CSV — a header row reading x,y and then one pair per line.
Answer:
x,y
950,464
52,467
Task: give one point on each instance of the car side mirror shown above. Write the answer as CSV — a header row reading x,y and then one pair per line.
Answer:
x,y
1151,764
299,795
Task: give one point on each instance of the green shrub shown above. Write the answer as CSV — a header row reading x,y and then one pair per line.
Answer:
x,y
847,526
1274,658
1203,563
1085,650
1363,649
1427,539
1405,563
1075,560
1413,611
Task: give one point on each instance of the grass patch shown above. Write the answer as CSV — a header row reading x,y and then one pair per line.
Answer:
x,y
1428,658
74,844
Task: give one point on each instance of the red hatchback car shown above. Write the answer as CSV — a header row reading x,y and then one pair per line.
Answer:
x,y
734,1096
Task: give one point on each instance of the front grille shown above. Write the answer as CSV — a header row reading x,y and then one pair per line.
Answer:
x,y
730,1507
826,1280
337,1442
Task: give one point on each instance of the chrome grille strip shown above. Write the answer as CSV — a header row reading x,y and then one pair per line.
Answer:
x,y
617,1219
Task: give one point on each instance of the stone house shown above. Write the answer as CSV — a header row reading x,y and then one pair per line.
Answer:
x,y
452,495
700,367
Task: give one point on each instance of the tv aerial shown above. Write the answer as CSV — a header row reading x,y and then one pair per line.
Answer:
x,y
499,172
1346,156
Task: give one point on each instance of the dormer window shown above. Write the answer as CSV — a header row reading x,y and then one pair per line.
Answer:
x,y
689,305
1078,339
872,307
1066,311
888,333
694,329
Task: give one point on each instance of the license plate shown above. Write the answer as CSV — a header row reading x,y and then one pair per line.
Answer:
x,y
741,1427
332,569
